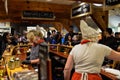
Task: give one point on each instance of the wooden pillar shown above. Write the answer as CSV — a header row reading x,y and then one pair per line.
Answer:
x,y
100,17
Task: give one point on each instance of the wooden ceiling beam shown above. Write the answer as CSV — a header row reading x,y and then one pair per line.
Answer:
x,y
16,7
37,6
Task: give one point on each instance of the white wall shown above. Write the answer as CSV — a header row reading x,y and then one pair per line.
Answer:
x,y
114,21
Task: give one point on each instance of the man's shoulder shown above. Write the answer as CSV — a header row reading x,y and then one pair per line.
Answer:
x,y
44,43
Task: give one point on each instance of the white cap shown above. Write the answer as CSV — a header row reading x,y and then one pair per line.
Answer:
x,y
87,31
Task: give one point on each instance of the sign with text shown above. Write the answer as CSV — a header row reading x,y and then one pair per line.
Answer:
x,y
38,15
80,10
111,4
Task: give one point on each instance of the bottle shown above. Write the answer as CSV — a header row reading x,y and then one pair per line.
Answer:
x,y
18,54
18,51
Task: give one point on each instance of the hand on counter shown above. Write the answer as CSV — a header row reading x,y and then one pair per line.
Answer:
x,y
26,62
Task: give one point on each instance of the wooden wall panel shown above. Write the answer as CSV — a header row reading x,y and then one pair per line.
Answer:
x,y
38,6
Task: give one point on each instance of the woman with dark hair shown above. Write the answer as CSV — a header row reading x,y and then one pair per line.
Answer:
x,y
4,42
68,41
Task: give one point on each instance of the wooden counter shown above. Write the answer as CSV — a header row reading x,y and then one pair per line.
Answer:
x,y
61,54
10,72
8,54
57,50
109,75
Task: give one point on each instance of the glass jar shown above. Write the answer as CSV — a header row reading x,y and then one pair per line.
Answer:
x,y
11,64
17,62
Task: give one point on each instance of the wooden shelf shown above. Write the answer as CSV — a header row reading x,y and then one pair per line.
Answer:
x,y
61,54
60,50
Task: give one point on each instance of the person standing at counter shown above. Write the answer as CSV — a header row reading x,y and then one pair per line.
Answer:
x,y
36,38
4,42
88,56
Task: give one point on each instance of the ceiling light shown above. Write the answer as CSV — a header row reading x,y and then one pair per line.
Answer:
x,y
98,4
48,0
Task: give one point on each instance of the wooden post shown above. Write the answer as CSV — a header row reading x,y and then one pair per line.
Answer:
x,y
49,69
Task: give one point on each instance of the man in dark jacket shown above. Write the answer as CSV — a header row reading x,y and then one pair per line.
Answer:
x,y
109,40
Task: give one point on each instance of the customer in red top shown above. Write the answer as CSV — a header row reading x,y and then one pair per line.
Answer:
x,y
87,57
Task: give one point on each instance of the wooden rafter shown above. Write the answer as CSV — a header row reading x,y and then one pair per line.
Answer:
x,y
6,6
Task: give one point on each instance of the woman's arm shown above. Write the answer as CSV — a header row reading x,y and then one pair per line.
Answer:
x,y
114,55
34,61
68,67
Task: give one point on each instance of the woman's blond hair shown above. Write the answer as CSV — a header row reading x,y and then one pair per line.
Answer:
x,y
32,33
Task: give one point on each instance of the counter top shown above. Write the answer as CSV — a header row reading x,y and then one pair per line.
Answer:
x,y
10,72
109,75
